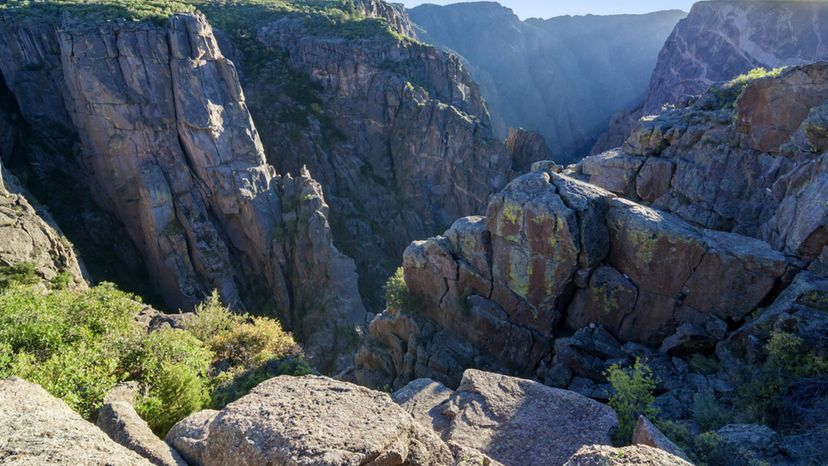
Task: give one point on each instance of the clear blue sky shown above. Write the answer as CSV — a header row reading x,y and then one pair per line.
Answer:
x,y
549,8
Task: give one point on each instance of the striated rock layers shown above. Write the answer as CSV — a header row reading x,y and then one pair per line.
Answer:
x,y
396,131
171,151
704,217
720,40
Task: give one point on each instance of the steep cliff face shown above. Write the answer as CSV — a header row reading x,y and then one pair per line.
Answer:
x,y
707,214
172,152
31,236
563,77
396,131
720,40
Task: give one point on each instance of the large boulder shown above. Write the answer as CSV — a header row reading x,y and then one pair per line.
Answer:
x,y
521,422
122,424
37,429
309,420
602,455
645,433
425,399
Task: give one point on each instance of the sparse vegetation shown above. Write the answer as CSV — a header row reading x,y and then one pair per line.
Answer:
x,y
397,294
22,273
793,377
708,412
78,344
633,396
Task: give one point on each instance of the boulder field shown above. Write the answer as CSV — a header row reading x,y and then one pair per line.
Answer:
x,y
491,419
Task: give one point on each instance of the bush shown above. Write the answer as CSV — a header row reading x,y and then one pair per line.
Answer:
x,y
23,273
253,343
236,382
397,295
708,412
78,344
176,392
72,343
212,318
769,393
633,397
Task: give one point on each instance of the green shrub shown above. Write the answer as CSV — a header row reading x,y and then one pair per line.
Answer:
x,y
22,273
252,343
754,74
790,362
633,396
71,343
232,384
78,344
397,295
708,412
61,281
177,391
212,318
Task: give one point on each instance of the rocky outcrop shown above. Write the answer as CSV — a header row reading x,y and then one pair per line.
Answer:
x,y
122,424
553,252
602,65
720,40
309,420
396,132
646,433
38,429
526,148
738,158
31,236
508,419
172,153
601,455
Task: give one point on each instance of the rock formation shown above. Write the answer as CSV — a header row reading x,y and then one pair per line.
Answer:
x,y
563,77
308,421
554,252
38,429
602,455
118,419
172,152
395,131
720,40
31,236
490,420
742,160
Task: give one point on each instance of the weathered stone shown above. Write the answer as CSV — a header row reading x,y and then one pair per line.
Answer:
x,y
122,424
30,235
525,148
645,433
589,353
189,436
614,171
609,298
508,419
688,339
769,110
37,429
425,399
311,420
602,455
754,441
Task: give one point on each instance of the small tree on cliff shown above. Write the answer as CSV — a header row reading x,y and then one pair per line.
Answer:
x,y
633,396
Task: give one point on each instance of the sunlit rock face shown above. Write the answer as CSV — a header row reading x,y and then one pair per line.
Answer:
x,y
170,150
720,40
